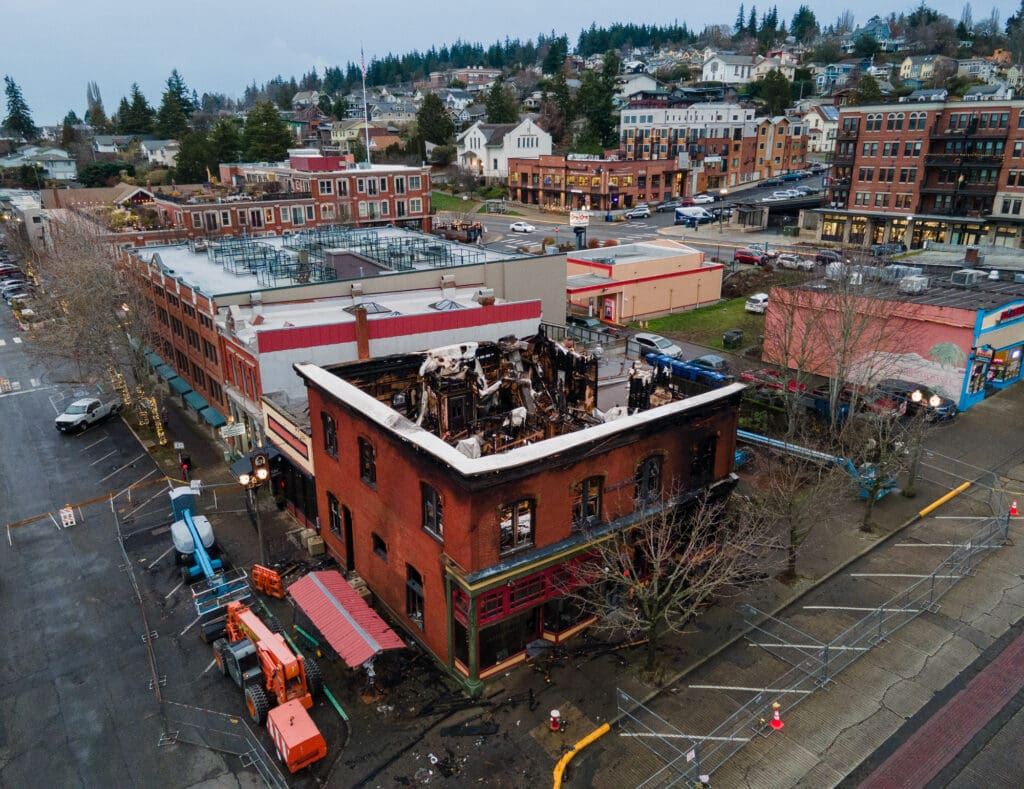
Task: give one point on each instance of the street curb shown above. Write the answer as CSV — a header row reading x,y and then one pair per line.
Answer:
x,y
776,611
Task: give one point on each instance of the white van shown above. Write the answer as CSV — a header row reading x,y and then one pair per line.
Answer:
x,y
686,215
758,303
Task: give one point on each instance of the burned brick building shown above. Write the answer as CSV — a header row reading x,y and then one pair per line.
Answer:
x,y
463,483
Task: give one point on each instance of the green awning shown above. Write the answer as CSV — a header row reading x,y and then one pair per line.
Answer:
x,y
213,416
196,400
179,385
166,372
154,360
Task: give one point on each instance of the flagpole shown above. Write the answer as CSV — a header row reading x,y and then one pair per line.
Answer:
x,y
366,111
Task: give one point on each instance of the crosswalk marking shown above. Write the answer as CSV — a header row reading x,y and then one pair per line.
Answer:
x,y
34,381
3,342
17,339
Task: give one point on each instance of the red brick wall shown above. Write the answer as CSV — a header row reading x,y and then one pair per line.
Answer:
x,y
471,535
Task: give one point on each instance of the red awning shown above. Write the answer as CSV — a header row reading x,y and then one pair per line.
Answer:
x,y
354,630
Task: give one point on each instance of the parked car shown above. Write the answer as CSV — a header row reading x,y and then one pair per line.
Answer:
x,y
590,323
21,294
668,205
915,396
808,189
703,199
757,303
84,413
521,227
791,261
773,182
796,175
655,343
721,211
828,256
750,256
641,211
712,362
890,248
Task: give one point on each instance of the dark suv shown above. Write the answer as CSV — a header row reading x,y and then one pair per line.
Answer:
x,y
589,323
828,256
913,397
884,250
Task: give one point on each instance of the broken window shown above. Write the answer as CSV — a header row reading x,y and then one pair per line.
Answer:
x,y
379,546
587,506
702,470
433,512
648,479
414,595
367,463
335,514
516,523
330,434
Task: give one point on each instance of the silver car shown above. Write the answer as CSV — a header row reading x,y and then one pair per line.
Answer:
x,y
655,343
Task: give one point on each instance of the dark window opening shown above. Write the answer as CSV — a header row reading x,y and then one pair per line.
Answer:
x,y
414,595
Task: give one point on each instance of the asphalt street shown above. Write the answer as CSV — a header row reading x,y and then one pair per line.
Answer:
x,y
77,704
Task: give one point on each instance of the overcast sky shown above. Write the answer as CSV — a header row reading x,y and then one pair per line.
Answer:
x,y
53,47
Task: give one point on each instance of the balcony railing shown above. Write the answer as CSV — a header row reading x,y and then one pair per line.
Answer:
x,y
847,134
967,190
963,160
968,133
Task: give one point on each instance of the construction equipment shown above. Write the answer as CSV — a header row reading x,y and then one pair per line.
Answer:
x,y
267,581
865,474
266,669
193,542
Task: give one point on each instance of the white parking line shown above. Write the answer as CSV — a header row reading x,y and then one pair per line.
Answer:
x,y
17,340
3,343
111,452
175,589
191,625
94,443
122,468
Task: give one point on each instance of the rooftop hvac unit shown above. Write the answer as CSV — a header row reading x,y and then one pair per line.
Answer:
x,y
967,277
484,294
913,284
1018,279
357,289
447,280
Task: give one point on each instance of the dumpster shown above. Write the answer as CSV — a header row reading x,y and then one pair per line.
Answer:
x,y
732,339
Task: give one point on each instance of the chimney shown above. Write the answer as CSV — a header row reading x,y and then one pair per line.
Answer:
x,y
971,256
362,333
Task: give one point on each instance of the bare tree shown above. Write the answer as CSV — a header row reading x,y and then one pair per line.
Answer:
x,y
796,495
848,331
880,447
655,577
91,316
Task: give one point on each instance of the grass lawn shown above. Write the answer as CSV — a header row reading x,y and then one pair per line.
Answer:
x,y
705,326
442,201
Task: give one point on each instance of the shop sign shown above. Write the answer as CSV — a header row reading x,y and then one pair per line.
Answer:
x,y
1010,314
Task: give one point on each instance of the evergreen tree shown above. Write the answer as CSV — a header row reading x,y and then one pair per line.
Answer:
x,y
194,159
775,92
558,51
501,104
19,118
68,134
135,117
225,142
562,96
176,87
865,91
171,118
433,124
804,26
752,22
266,137
740,25
95,115
339,109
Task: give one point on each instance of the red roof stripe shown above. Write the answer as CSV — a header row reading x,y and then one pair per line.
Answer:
x,y
356,637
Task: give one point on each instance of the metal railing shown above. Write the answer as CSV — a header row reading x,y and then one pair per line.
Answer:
x,y
219,732
813,665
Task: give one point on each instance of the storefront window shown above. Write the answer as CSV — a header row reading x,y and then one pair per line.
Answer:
x,y
504,639
858,227
832,229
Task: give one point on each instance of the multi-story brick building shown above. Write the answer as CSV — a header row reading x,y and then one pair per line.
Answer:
x,y
231,315
578,181
308,190
719,145
463,484
935,171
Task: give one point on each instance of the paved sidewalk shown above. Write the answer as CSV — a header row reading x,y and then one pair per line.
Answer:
x,y
948,731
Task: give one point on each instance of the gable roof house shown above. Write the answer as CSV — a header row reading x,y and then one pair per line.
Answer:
x,y
730,69
485,148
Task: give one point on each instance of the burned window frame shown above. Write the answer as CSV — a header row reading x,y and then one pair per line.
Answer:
x,y
587,502
330,434
432,507
646,491
367,462
515,509
415,607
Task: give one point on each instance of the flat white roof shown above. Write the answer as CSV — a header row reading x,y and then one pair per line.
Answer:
x,y
202,272
634,253
389,419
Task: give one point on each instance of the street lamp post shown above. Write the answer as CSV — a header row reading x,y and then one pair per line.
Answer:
x,y
251,482
723,192
917,438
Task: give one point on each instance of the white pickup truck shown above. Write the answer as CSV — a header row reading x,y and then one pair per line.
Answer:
x,y
85,413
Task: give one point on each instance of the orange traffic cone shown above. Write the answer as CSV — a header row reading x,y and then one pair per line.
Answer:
x,y
776,722
1013,508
